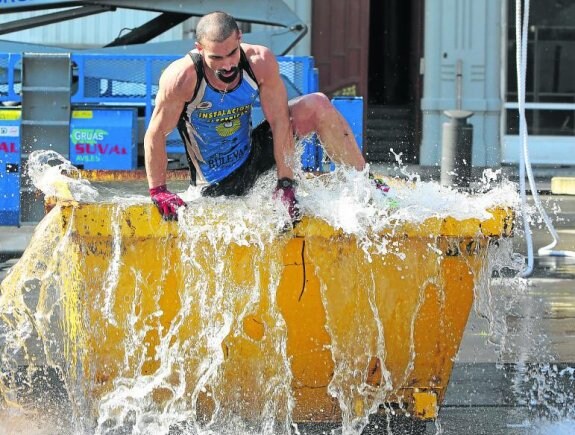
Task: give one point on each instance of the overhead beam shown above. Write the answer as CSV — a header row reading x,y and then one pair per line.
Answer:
x,y
37,5
150,30
55,17
273,12
290,28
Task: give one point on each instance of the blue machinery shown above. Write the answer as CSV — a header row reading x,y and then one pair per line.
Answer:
x,y
110,103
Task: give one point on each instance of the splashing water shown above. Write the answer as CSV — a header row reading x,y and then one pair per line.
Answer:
x,y
148,327
56,177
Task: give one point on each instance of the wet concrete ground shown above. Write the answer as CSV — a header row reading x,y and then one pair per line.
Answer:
x,y
514,391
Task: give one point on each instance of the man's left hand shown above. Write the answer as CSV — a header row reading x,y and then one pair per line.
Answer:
x,y
285,191
167,202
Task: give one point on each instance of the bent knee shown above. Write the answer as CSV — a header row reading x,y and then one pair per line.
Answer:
x,y
319,98
306,112
317,101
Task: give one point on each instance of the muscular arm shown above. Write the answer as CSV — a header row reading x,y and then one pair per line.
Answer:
x,y
273,97
172,92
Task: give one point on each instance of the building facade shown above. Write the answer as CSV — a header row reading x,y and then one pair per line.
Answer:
x,y
411,60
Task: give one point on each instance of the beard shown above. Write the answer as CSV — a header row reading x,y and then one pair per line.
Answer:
x,y
220,74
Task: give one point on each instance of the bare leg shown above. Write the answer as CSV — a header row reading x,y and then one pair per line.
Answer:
x,y
315,113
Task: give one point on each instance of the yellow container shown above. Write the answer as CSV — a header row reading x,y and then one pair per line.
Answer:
x,y
316,319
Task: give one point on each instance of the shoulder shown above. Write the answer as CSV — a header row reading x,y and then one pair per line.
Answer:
x,y
178,80
262,61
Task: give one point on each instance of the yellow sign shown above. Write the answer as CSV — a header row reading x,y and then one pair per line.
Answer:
x,y
82,114
10,115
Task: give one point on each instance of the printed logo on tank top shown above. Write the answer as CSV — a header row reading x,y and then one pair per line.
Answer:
x,y
205,105
219,160
228,120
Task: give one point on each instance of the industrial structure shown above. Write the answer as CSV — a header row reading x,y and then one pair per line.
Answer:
x,y
409,62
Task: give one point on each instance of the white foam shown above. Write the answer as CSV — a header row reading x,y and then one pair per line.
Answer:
x,y
345,198
55,176
348,200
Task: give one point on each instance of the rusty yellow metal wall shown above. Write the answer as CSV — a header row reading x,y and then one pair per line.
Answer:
x,y
423,294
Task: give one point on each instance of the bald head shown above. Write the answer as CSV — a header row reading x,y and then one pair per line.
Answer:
x,y
216,27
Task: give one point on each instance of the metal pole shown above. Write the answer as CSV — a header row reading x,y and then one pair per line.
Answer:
x,y
456,149
459,83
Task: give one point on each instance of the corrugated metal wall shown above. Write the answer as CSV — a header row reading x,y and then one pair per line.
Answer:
x,y
92,31
98,30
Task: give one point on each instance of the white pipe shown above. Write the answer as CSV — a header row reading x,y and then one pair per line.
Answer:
x,y
519,58
521,35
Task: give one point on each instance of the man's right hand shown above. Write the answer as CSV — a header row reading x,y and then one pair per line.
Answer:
x,y
167,202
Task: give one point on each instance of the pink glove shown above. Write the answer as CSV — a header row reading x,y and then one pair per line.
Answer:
x,y
167,202
285,190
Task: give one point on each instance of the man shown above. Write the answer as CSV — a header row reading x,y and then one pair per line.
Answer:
x,y
208,94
